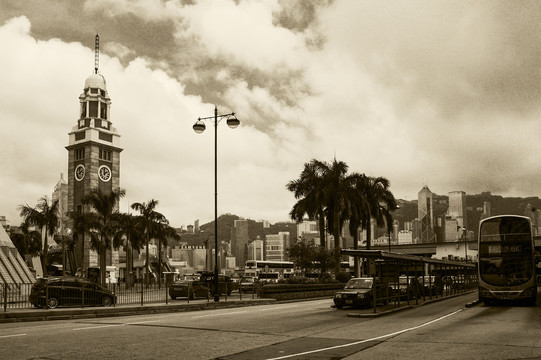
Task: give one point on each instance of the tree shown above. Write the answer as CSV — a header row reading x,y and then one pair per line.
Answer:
x,y
162,231
148,217
309,191
45,217
104,223
302,255
378,196
356,214
338,187
81,225
131,230
378,203
27,242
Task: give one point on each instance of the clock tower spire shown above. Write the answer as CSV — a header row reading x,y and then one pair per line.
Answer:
x,y
93,154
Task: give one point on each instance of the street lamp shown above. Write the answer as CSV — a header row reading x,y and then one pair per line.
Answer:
x,y
199,127
465,244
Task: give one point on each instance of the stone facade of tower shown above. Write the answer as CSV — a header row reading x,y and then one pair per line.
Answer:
x,y
93,156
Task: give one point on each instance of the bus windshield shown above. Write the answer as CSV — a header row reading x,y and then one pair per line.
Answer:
x,y
505,251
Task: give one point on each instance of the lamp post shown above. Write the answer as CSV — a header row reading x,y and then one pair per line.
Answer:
x,y
465,244
199,127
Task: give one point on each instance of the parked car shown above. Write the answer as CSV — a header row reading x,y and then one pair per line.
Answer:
x,y
408,287
431,285
225,284
249,284
191,289
360,292
191,277
69,291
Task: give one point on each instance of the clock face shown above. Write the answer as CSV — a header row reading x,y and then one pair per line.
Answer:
x,y
79,172
104,173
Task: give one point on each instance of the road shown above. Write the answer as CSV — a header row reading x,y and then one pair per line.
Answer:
x,y
298,330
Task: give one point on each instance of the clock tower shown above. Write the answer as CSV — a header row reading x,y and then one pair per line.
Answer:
x,y
93,154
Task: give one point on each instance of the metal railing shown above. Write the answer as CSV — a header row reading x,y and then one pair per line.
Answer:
x,y
19,296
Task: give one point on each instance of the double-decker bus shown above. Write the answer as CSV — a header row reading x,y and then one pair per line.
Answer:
x,y
268,270
506,259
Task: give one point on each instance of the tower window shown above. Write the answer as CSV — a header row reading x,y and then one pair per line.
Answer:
x,y
93,107
94,91
83,110
106,137
105,155
79,154
103,110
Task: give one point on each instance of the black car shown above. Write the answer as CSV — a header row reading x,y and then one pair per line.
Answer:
x,y
69,291
360,292
191,289
225,283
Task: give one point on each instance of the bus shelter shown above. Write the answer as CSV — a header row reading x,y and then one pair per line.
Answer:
x,y
411,277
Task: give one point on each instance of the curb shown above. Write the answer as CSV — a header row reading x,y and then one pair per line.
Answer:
x,y
86,313
390,311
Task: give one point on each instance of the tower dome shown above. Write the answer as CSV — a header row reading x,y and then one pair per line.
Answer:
x,y
95,81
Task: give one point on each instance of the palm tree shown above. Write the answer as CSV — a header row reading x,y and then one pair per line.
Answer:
x,y
131,230
27,242
81,225
357,212
44,216
338,190
162,231
378,198
104,222
309,190
148,217
378,203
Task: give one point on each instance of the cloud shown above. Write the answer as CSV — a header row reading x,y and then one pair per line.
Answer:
x,y
420,92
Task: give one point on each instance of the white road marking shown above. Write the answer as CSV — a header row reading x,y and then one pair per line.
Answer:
x,y
367,340
221,314
112,325
278,307
14,335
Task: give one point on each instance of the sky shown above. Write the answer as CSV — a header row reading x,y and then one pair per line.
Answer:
x,y
437,93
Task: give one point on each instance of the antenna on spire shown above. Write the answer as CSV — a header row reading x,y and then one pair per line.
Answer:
x,y
97,54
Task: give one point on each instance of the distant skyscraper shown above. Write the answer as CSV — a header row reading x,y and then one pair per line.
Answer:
x,y
239,241
275,245
455,218
255,250
457,207
426,216
307,227
487,210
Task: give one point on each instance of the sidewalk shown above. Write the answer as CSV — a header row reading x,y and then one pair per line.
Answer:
x,y
25,315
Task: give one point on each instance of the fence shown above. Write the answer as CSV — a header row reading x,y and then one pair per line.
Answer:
x,y
75,292
404,279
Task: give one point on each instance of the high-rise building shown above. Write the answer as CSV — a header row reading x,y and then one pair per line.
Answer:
x,y
426,216
487,210
256,250
93,154
239,241
275,246
455,219
457,207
